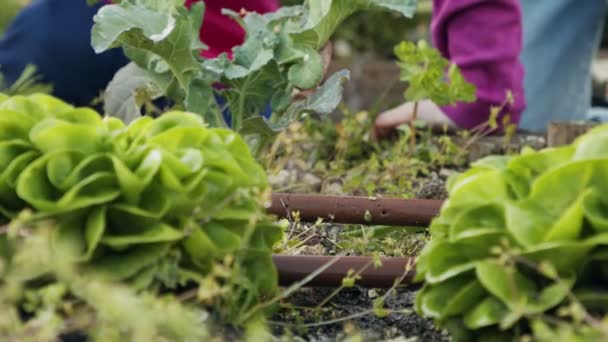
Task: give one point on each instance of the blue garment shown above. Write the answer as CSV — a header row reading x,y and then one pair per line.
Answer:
x,y
561,38
55,35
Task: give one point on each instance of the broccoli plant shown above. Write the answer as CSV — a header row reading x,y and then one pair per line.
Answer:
x,y
280,57
430,77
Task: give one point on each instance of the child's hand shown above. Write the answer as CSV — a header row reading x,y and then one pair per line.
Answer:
x,y
429,112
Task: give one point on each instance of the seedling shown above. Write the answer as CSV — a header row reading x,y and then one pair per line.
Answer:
x,y
430,77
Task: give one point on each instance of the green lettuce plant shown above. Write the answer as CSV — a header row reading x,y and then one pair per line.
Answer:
x,y
520,246
278,59
158,203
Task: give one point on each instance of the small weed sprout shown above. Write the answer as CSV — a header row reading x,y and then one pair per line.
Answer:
x,y
430,77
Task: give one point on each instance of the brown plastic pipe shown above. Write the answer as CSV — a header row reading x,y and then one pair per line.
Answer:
x,y
356,210
295,268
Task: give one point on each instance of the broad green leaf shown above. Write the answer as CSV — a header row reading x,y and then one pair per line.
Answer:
x,y
560,187
15,125
567,257
260,268
11,149
34,186
95,225
405,7
596,211
488,312
135,219
325,16
120,266
265,236
112,21
449,298
154,234
484,218
25,106
54,135
324,101
222,237
533,164
133,183
80,116
570,224
49,104
307,74
65,169
69,237
200,248
257,50
479,187
248,96
506,283
174,119
592,145
199,99
492,162
550,296
17,165
527,222
446,260
130,88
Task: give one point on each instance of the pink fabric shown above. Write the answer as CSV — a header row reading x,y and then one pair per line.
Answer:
x,y
484,38
221,33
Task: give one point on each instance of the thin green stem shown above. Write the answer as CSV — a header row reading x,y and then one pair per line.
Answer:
x,y
413,129
319,324
339,289
290,290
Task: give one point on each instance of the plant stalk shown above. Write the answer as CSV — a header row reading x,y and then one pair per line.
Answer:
x,y
413,129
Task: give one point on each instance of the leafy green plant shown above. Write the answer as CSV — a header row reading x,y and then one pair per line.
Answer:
x,y
158,204
519,248
430,77
278,58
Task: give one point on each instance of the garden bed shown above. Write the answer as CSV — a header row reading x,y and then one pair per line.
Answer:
x,y
296,319
158,227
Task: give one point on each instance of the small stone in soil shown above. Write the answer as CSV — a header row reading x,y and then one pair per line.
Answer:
x,y
433,188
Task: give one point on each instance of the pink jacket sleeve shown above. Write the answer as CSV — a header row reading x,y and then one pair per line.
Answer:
x,y
484,38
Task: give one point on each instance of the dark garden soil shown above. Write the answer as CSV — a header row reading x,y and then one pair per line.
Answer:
x,y
395,327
